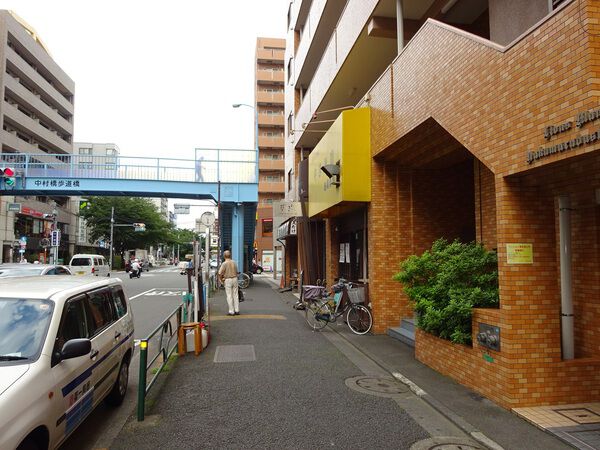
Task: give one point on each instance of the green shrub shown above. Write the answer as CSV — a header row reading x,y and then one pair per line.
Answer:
x,y
446,283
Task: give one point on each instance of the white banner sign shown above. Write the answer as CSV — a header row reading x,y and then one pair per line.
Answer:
x,y
179,208
287,209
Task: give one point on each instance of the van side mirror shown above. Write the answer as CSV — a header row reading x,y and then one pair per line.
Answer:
x,y
75,348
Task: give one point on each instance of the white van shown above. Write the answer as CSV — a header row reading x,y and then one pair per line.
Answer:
x,y
67,343
89,265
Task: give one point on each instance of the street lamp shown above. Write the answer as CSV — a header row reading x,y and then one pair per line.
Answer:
x,y
237,105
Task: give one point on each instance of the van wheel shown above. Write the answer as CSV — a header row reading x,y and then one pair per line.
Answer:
x,y
29,444
117,393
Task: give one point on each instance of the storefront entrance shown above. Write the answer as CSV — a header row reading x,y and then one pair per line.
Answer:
x,y
353,257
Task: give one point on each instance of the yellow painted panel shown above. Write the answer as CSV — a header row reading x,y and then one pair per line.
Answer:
x,y
347,143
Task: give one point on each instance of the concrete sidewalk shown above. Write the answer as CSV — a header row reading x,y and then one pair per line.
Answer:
x,y
469,410
201,403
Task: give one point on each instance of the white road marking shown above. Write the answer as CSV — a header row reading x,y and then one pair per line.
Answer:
x,y
139,295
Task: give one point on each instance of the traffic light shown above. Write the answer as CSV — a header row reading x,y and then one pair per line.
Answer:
x,y
8,176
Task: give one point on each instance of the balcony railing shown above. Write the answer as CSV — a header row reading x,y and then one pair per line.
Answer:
x,y
270,141
271,164
271,186
271,119
264,55
269,76
266,98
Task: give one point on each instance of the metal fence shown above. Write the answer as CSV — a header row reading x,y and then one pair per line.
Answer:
x,y
210,166
155,352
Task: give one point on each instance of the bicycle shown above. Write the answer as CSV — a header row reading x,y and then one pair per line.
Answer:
x,y
243,280
321,311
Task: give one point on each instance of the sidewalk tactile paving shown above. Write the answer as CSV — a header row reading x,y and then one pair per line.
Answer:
x,y
234,353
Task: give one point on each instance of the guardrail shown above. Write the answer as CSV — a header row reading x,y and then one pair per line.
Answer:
x,y
161,339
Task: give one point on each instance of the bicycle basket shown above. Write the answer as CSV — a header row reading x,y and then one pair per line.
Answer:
x,y
311,292
356,294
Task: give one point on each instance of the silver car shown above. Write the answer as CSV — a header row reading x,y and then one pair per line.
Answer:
x,y
25,270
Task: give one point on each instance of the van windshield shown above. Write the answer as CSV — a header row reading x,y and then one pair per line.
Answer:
x,y
81,262
23,327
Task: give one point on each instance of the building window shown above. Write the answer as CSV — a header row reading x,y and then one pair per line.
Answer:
x,y
290,180
289,125
85,151
111,152
556,3
267,227
289,70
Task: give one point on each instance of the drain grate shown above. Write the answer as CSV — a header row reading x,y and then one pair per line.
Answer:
x,y
234,353
446,443
379,386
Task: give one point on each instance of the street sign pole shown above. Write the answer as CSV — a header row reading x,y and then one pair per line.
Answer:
x,y
195,282
112,223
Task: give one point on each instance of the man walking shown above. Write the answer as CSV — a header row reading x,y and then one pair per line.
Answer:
x,y
228,273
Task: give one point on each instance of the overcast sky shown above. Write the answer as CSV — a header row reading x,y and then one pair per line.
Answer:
x,y
158,78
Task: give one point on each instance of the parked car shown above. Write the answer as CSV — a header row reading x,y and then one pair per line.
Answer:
x,y
256,268
66,346
86,264
25,270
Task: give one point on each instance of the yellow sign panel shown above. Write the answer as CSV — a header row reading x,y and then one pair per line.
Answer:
x,y
519,253
339,167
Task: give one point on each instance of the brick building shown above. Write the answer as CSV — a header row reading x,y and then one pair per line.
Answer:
x,y
480,127
269,107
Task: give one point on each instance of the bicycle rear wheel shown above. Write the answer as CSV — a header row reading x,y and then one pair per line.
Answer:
x,y
359,319
317,314
243,280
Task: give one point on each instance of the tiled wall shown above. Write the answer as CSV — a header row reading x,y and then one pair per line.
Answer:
x,y
495,102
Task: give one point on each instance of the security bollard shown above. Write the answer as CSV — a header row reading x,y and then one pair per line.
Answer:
x,y
142,380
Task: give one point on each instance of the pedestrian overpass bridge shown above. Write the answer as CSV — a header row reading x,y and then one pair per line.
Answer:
x,y
226,176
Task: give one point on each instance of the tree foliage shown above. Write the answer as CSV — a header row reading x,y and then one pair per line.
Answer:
x,y
128,210
446,283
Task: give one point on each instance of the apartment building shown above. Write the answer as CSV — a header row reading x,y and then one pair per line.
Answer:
x,y
474,126
269,98
36,116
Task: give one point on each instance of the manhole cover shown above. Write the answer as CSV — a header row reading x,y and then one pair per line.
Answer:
x,y
382,387
446,443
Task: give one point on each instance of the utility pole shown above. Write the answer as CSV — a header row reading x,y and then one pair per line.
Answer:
x,y
112,223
